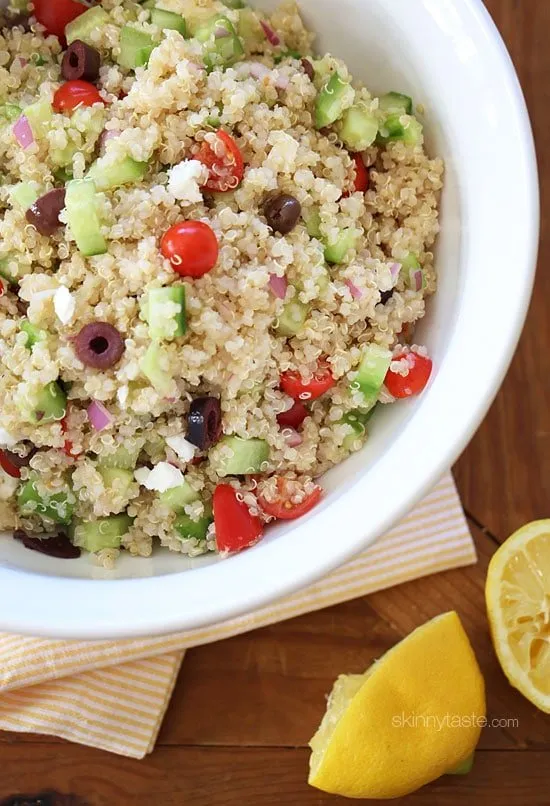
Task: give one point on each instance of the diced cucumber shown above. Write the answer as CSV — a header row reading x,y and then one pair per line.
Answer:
x,y
24,194
292,318
244,456
123,458
39,115
135,48
219,51
117,478
82,27
58,507
410,261
108,175
9,112
372,371
49,405
333,99
250,29
104,533
177,498
357,419
157,368
34,334
414,133
401,127
464,768
168,20
396,102
358,128
187,528
336,252
312,220
164,309
234,3
5,273
83,218
411,270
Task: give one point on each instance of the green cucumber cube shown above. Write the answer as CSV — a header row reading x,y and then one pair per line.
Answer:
x,y
104,533
9,112
187,528
135,48
234,456
337,252
372,371
157,368
312,220
108,175
123,458
83,26
50,404
117,477
34,334
358,128
292,318
177,498
39,115
335,96
5,272
396,102
24,194
219,51
57,508
165,313
168,20
83,218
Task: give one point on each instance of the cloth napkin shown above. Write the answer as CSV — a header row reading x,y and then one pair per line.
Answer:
x,y
113,694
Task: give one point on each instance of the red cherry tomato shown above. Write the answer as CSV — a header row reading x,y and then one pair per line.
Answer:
x,y
8,466
294,386
54,15
236,527
294,417
361,174
191,247
420,369
224,160
2,289
283,507
75,93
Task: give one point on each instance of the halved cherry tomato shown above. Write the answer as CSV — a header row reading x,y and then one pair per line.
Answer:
x,y
8,466
191,247
54,15
294,417
293,384
420,369
283,507
75,93
224,160
361,174
236,527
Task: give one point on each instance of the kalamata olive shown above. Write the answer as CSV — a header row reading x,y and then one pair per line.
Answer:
x,y
282,212
99,345
57,545
308,69
80,62
204,422
19,461
44,213
385,296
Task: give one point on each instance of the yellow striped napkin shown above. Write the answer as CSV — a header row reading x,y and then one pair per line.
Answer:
x,y
113,694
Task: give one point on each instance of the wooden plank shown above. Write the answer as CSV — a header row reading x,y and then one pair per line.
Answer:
x,y
503,475
186,776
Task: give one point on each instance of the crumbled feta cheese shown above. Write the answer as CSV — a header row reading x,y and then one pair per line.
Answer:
x,y
184,449
6,439
122,395
185,180
164,476
64,305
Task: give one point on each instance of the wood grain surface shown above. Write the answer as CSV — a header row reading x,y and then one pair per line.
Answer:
x,y
237,729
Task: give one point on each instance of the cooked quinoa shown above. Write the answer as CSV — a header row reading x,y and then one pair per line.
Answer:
x,y
119,445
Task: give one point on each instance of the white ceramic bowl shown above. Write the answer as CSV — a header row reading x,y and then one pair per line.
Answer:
x,y
448,55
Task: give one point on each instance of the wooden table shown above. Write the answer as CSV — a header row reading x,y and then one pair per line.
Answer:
x,y
243,711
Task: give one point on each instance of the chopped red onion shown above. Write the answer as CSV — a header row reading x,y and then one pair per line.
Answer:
x,y
23,62
23,132
292,437
355,292
278,285
273,38
98,415
416,279
395,268
220,32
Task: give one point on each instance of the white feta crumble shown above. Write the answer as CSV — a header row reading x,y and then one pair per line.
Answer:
x,y
64,304
181,447
185,180
164,476
6,439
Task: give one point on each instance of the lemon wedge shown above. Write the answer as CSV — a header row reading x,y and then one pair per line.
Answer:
x,y
517,593
414,715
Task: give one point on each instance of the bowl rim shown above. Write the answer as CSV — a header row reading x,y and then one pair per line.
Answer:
x,y
58,620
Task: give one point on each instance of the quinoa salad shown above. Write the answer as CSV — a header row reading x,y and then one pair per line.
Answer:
x,y
214,246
